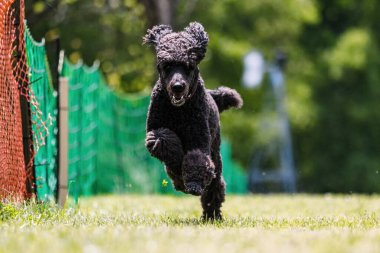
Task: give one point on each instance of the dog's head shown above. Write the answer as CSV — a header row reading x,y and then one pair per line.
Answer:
x,y
178,56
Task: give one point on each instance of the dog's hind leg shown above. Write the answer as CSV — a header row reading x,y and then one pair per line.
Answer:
x,y
214,194
212,199
165,145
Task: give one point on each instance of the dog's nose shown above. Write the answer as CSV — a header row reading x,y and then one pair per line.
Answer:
x,y
178,87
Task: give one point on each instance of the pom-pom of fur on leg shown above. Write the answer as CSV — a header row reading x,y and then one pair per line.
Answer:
x,y
198,171
226,98
165,145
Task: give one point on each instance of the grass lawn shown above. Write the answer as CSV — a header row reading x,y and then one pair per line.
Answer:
x,y
264,223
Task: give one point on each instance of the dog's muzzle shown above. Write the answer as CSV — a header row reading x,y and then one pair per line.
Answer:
x,y
178,101
178,96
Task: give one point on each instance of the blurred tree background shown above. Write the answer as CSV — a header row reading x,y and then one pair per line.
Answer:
x,y
332,76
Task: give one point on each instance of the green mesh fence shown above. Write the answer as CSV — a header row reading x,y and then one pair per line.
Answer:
x,y
44,119
125,163
83,125
235,177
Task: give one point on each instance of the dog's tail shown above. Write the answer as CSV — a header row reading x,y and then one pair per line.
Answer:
x,y
226,98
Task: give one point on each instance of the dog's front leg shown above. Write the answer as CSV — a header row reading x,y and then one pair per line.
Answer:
x,y
165,145
197,167
198,171
160,141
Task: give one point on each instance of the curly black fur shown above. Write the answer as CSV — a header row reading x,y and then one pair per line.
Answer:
x,y
226,98
198,170
183,128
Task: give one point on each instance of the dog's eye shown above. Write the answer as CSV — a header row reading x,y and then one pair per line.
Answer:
x,y
167,68
188,70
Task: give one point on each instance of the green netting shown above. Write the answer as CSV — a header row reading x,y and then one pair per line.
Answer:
x,y
44,119
83,125
235,177
125,164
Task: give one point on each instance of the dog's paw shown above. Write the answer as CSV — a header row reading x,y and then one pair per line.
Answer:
x,y
152,142
194,188
165,145
212,216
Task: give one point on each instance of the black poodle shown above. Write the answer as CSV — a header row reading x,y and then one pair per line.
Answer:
x,y
183,128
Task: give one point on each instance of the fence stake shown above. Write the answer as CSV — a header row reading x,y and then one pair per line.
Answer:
x,y
28,146
63,141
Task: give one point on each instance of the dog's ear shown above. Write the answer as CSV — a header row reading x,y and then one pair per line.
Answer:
x,y
153,35
197,31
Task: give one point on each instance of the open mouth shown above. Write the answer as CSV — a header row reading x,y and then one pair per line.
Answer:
x,y
178,101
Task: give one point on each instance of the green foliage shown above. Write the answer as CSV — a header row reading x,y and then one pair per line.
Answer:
x,y
339,151
110,31
235,28
350,52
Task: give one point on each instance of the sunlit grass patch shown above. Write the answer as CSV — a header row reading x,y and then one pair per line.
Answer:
x,y
278,223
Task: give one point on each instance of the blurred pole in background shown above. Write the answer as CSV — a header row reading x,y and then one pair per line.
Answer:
x,y
287,169
280,147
